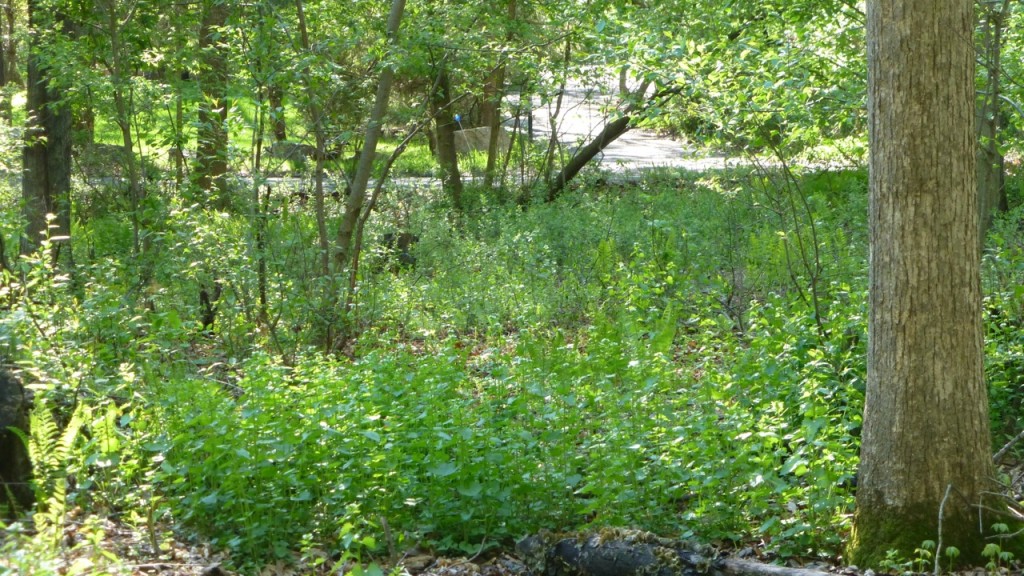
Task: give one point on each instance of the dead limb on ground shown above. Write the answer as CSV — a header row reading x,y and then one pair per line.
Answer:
x,y
635,553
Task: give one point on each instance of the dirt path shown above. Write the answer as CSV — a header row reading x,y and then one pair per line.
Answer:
x,y
582,117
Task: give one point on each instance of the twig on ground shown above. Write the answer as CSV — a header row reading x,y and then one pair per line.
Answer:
x,y
1003,451
938,546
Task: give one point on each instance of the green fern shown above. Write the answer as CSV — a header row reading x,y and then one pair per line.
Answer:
x,y
51,449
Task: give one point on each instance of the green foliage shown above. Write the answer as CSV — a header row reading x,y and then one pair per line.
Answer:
x,y
51,450
22,552
919,564
556,371
998,558
683,353
643,362
548,434
1004,316
952,553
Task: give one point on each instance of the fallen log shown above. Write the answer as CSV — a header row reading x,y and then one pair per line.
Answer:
x,y
636,553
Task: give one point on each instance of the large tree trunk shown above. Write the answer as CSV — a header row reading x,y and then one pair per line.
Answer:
x,y
373,129
926,446
46,182
212,153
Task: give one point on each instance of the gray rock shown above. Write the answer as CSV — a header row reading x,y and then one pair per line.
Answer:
x,y
15,467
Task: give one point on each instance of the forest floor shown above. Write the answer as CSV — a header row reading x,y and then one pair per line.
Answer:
x,y
110,547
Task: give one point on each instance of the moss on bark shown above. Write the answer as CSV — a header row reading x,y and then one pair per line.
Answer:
x,y
879,529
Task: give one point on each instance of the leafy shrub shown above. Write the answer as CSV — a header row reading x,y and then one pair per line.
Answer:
x,y
466,446
643,361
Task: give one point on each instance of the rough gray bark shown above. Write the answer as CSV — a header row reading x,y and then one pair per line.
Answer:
x,y
926,430
46,157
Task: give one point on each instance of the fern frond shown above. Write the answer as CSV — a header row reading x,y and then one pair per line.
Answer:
x,y
51,449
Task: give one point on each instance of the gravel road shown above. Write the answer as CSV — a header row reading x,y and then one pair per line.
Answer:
x,y
582,117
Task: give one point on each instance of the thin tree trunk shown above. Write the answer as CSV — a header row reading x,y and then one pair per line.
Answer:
x,y
261,203
9,74
316,119
176,78
5,266
549,158
373,130
370,205
586,153
608,134
11,44
926,449
276,95
6,107
212,150
491,117
84,121
991,174
447,159
492,110
123,118
180,166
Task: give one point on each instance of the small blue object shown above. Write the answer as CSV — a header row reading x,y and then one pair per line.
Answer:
x,y
458,118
